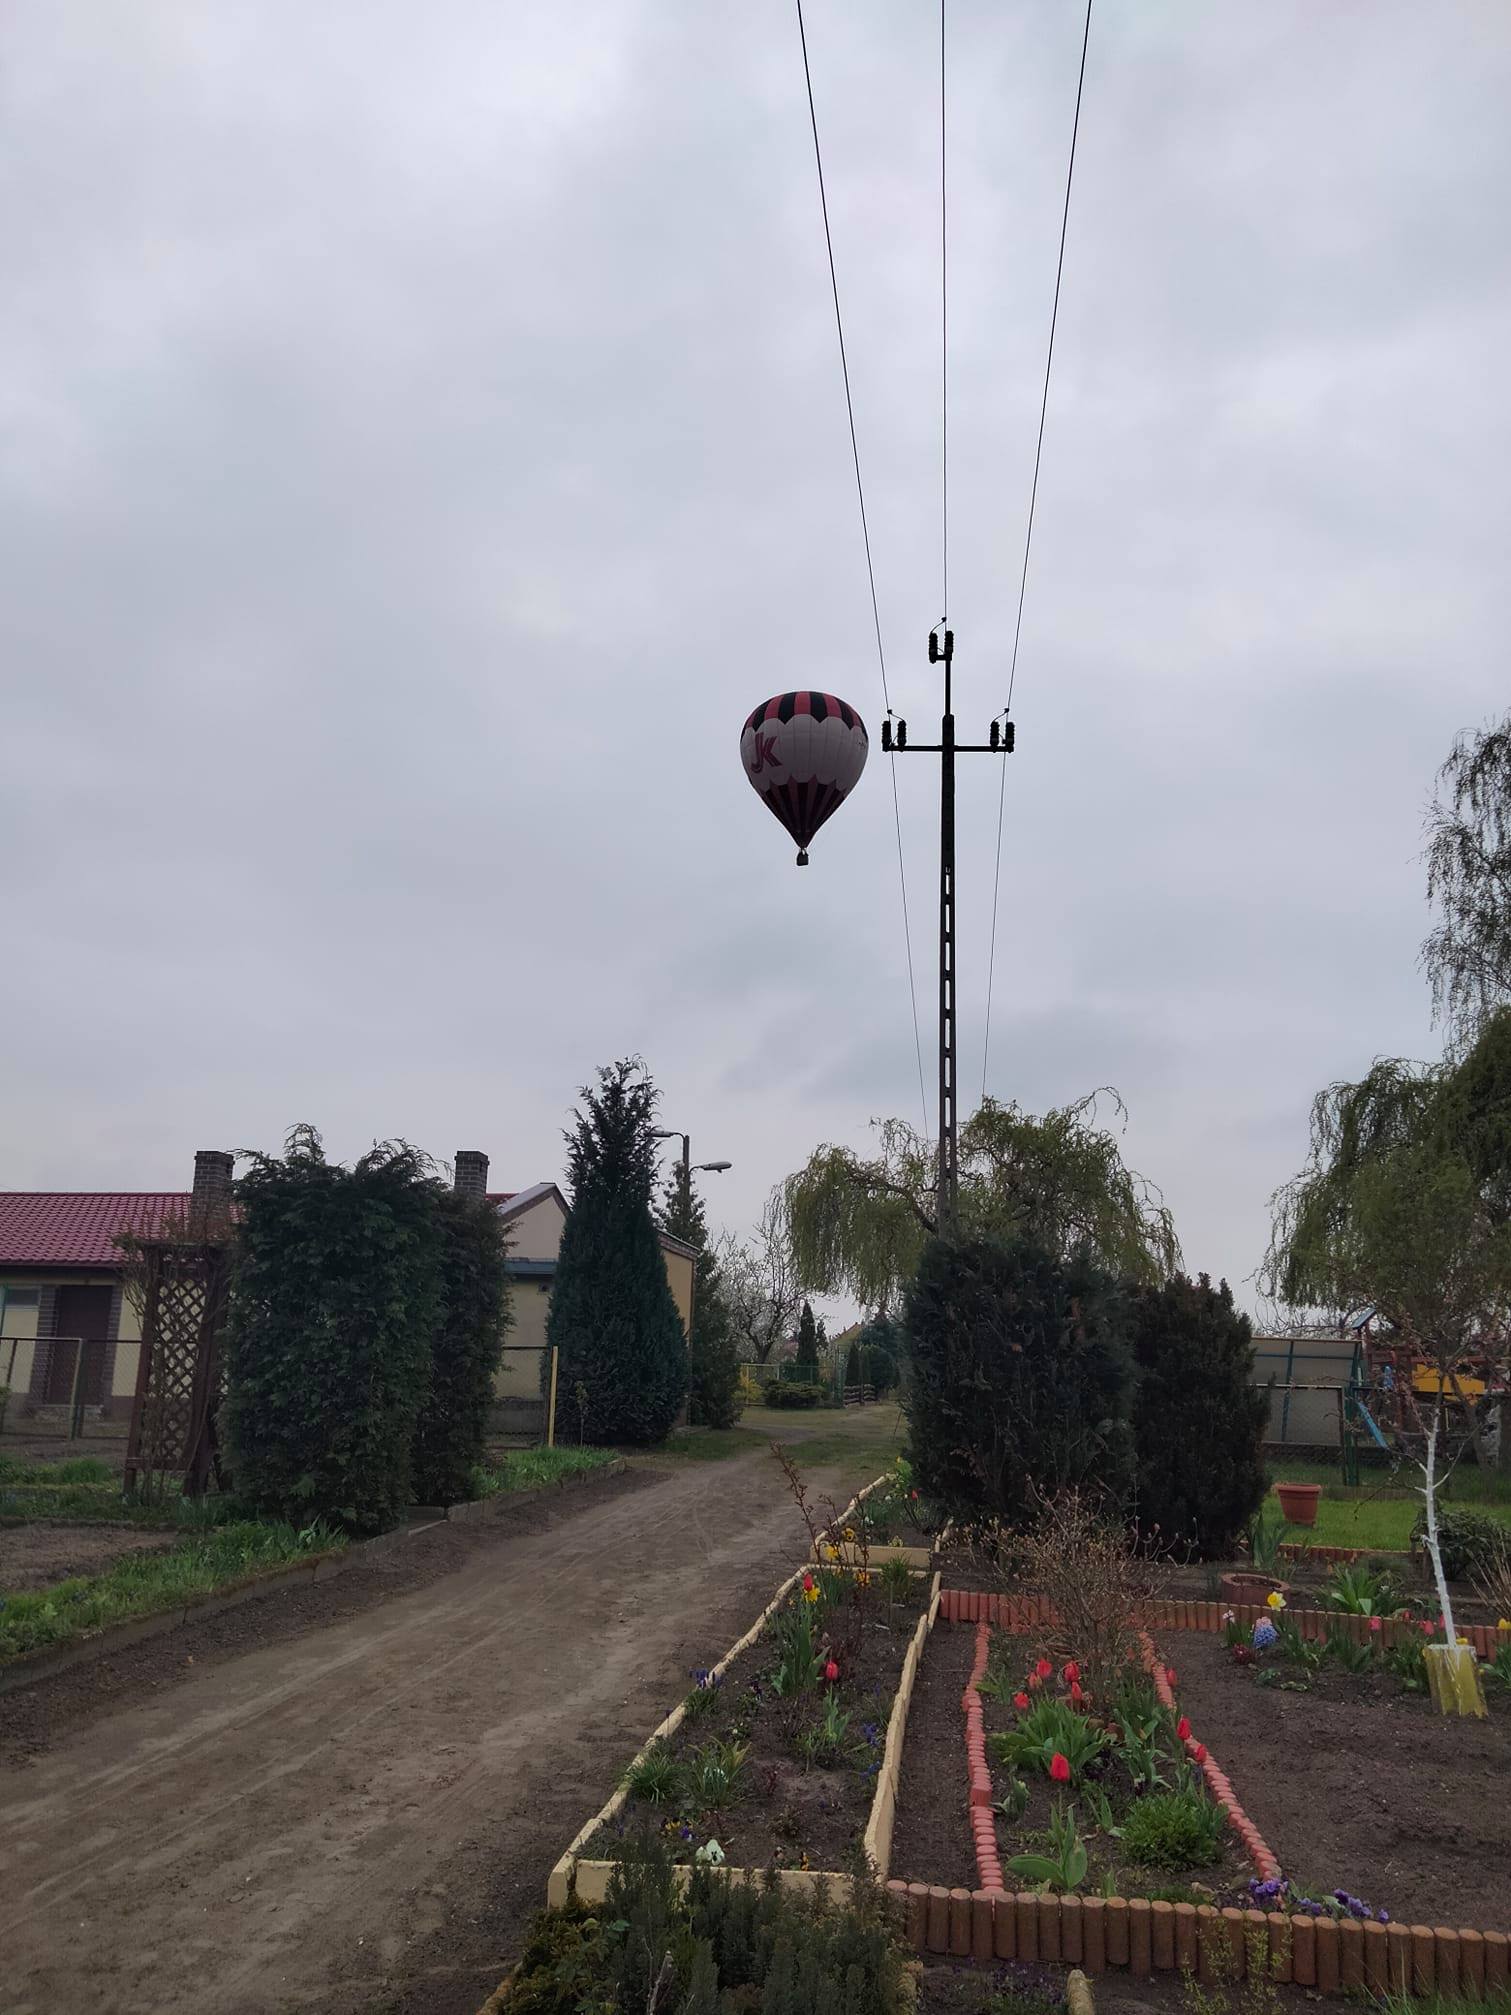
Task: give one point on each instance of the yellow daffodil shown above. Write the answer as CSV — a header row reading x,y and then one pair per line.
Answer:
x,y
863,1580
850,1532
831,1553
1275,1600
1503,1623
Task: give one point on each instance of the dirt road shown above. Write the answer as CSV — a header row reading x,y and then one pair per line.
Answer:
x,y
362,1818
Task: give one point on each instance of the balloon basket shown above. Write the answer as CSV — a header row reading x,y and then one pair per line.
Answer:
x,y
802,859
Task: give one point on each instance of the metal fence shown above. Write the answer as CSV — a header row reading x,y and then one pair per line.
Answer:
x,y
55,1388
526,1405
1307,1379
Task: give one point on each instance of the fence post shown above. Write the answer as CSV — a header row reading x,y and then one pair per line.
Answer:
x,y
551,1407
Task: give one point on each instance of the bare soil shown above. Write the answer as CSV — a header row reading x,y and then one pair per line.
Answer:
x,y
931,1836
1357,1785
35,1556
348,1797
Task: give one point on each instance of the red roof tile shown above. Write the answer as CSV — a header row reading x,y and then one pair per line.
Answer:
x,y
77,1227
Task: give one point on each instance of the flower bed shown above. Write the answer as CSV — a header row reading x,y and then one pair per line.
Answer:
x,y
887,1518
1379,1826
785,1754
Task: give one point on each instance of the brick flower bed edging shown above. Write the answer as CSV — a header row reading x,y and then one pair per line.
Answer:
x,y
1101,1933
589,1879
1098,1933
959,1605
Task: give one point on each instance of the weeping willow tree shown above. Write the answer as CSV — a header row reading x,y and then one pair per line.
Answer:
x,y
1405,1201
1467,954
859,1225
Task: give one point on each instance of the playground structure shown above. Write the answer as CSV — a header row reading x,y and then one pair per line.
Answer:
x,y
1366,1392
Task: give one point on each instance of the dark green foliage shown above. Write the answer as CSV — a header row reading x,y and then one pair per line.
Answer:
x,y
807,1338
852,1365
880,1368
336,1296
1468,953
1469,1541
794,1393
613,1319
876,1356
1198,1421
1173,1829
713,1362
721,1948
1020,1379
449,1438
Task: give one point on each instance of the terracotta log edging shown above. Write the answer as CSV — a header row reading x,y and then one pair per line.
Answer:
x,y
1331,1956
978,1775
1020,1613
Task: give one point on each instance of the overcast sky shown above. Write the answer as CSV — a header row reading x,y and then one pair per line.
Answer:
x,y
423,443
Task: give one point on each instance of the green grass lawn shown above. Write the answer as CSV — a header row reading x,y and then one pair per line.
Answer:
x,y
1386,1522
145,1584
529,1468
1468,1483
857,1442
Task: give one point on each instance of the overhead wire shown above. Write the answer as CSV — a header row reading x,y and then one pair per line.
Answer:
x,y
860,491
944,349
1028,539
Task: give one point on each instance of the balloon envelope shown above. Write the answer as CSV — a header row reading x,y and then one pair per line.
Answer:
x,y
803,754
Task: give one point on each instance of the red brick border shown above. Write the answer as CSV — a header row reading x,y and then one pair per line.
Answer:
x,y
1015,1613
983,1818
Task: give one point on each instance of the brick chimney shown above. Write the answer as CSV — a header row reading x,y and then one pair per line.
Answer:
x,y
471,1174
210,1200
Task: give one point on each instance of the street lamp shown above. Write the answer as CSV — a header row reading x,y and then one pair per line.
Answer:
x,y
690,1168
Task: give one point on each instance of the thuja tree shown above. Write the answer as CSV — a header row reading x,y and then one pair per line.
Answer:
x,y
807,1339
623,1356
1021,1379
337,1293
713,1361
464,1357
1198,1420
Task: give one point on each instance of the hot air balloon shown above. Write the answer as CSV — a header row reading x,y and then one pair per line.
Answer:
x,y
803,753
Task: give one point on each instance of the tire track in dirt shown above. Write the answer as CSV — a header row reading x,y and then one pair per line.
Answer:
x,y
318,1822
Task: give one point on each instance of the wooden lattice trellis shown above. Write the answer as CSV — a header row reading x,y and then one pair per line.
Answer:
x,y
180,1376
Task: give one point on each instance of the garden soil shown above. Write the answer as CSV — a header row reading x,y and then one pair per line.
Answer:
x,y
1359,1786
347,1797
931,1837
35,1556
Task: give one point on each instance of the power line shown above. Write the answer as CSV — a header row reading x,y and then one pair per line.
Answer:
x,y
860,491
944,347
1028,539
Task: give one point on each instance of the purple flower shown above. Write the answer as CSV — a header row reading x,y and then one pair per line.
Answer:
x,y
1382,1916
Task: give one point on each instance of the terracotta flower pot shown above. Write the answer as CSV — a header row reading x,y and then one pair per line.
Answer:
x,y
1299,1501
1247,1585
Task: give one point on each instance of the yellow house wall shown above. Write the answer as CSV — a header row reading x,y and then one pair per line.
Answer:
x,y
679,1278
15,1371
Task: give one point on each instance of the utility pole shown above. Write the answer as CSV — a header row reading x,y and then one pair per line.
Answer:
x,y
942,651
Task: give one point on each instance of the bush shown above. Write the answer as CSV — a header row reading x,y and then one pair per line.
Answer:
x,y
613,1319
452,1428
1020,1379
720,1948
783,1392
1198,1420
1173,1829
336,1296
1469,1541
880,1368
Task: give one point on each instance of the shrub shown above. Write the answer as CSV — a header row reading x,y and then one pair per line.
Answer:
x,y
336,1296
452,1428
716,1385
1020,1379
1469,1541
1173,1829
852,1366
1198,1421
613,1319
1092,1584
790,1392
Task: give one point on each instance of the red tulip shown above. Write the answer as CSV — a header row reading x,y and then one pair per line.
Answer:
x,y
1020,1701
1076,1695
807,1583
1199,1753
1374,1623
1183,1728
1426,1629
1044,1669
1059,1769
831,1670
1071,1673
1170,1676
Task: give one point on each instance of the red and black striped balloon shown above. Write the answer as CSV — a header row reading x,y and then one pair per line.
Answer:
x,y
803,754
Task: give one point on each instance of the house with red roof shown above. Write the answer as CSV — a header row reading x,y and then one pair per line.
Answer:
x,y
70,1335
